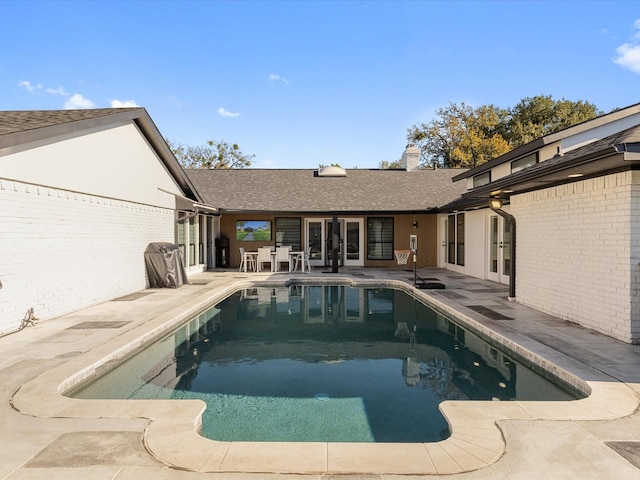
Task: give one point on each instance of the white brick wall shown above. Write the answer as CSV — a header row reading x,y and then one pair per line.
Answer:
x,y
61,251
578,252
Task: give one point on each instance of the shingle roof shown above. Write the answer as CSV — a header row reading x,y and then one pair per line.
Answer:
x,y
25,120
299,190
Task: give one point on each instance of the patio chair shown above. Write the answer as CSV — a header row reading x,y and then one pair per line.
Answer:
x,y
251,262
264,256
302,257
282,256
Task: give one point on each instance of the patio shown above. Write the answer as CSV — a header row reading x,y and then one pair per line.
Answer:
x,y
599,438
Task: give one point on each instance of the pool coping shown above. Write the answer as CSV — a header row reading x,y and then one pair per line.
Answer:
x,y
172,437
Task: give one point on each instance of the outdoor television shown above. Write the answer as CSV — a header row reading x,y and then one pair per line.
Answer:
x,y
253,230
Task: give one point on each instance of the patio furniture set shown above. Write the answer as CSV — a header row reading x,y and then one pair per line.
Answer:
x,y
275,257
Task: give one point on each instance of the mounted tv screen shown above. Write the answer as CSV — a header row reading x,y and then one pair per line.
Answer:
x,y
253,230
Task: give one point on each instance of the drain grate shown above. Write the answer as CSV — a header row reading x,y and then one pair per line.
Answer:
x,y
97,325
487,312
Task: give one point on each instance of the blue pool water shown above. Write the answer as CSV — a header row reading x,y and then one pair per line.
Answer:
x,y
323,363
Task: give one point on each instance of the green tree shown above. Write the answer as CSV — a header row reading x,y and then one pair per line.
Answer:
x,y
535,117
384,165
463,136
460,136
214,154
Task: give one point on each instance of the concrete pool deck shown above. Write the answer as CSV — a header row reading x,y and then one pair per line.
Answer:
x,y
47,435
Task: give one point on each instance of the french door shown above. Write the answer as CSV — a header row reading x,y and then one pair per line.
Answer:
x,y
499,254
319,241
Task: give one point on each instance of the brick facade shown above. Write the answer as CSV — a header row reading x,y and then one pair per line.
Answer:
x,y
578,252
62,250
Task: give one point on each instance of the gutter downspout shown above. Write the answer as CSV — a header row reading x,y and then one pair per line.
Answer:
x,y
512,232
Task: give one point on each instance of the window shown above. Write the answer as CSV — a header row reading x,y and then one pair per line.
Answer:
x,y
181,239
289,232
482,179
202,222
379,238
192,242
455,239
524,162
189,237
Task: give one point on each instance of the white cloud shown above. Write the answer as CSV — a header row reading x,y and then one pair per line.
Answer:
x,y
628,54
125,104
225,113
628,57
26,84
72,102
57,91
277,78
77,101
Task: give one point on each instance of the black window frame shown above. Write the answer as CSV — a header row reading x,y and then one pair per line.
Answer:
x,y
385,243
292,232
482,179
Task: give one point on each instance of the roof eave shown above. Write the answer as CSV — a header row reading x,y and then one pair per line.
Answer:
x,y
159,144
551,138
511,155
16,139
498,187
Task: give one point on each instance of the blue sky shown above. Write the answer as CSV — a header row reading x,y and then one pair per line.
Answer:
x,y
298,83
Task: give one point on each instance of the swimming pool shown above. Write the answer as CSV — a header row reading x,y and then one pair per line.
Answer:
x,y
323,363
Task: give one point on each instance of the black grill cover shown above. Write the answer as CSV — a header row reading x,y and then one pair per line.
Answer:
x,y
165,267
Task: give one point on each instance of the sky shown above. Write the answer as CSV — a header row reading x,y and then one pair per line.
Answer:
x,y
299,84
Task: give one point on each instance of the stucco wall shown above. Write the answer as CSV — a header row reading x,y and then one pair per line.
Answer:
x,y
62,251
402,228
578,252
115,162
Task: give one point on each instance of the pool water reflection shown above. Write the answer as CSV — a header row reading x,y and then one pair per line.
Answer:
x,y
323,363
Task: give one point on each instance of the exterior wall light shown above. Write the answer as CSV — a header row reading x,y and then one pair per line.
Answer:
x,y
415,224
496,203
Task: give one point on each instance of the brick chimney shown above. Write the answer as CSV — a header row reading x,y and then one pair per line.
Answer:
x,y
411,158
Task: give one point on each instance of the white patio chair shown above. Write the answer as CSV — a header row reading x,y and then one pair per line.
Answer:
x,y
264,256
302,257
282,256
251,262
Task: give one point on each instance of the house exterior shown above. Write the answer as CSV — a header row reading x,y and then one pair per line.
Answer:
x,y
376,210
574,198
82,194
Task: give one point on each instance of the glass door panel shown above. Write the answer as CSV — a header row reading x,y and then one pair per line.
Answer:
x,y
314,241
353,241
493,245
329,248
506,249
354,244
499,250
